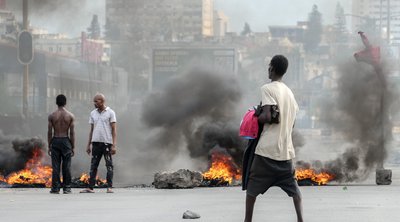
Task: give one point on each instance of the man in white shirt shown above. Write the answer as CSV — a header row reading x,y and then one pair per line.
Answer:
x,y
272,164
102,141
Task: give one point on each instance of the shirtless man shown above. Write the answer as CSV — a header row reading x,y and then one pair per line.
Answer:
x,y
61,146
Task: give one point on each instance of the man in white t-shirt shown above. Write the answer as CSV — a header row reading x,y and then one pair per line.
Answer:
x,y
272,164
102,141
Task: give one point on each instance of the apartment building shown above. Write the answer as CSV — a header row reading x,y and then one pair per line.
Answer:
x,y
160,20
385,14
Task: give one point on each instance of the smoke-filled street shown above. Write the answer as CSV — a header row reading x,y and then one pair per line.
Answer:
x,y
362,202
164,110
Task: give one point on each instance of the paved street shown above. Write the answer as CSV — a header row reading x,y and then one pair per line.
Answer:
x,y
361,202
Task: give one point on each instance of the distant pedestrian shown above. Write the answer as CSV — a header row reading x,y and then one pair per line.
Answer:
x,y
61,142
102,141
272,164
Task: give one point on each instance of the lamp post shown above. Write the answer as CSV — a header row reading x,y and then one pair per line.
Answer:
x,y
388,23
25,90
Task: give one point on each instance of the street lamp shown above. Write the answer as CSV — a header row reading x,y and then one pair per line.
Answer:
x,y
25,39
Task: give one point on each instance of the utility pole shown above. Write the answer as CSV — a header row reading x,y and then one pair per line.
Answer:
x,y
388,23
25,83
380,20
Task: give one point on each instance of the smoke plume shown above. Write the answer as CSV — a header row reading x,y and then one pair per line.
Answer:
x,y
14,153
55,15
362,117
194,111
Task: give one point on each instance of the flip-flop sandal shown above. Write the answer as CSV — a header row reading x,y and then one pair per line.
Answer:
x,y
86,191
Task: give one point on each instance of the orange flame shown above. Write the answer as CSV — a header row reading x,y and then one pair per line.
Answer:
x,y
85,179
321,178
222,168
33,173
36,173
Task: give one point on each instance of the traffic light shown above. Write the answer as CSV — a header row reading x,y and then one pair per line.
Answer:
x,y
25,47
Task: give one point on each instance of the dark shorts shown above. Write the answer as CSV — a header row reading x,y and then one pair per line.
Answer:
x,y
265,173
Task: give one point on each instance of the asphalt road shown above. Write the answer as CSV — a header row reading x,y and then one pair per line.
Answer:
x,y
361,202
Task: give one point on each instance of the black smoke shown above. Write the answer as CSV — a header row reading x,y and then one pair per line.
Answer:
x,y
15,153
360,112
196,111
55,15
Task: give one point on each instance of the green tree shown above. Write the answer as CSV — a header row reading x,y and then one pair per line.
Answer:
x,y
340,24
94,30
246,30
312,36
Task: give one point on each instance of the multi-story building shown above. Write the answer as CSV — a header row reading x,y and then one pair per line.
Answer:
x,y
8,24
158,19
58,45
88,50
293,33
381,13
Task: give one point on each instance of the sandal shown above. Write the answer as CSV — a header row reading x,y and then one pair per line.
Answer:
x,y
87,191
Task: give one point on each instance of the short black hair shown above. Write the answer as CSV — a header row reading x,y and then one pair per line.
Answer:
x,y
61,100
280,64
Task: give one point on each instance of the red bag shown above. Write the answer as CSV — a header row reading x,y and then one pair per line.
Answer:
x,y
249,125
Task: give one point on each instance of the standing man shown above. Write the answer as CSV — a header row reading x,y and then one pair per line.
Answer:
x,y
102,141
272,164
61,147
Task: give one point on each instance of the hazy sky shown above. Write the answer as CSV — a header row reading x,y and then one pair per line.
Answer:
x,y
262,13
73,16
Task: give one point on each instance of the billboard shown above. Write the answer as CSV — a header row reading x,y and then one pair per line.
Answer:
x,y
169,62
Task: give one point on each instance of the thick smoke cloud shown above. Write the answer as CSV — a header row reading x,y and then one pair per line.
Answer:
x,y
60,16
196,111
14,153
357,113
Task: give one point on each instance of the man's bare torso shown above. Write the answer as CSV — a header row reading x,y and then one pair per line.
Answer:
x,y
61,120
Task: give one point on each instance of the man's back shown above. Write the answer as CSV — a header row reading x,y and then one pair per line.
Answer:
x,y
61,120
276,139
61,142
